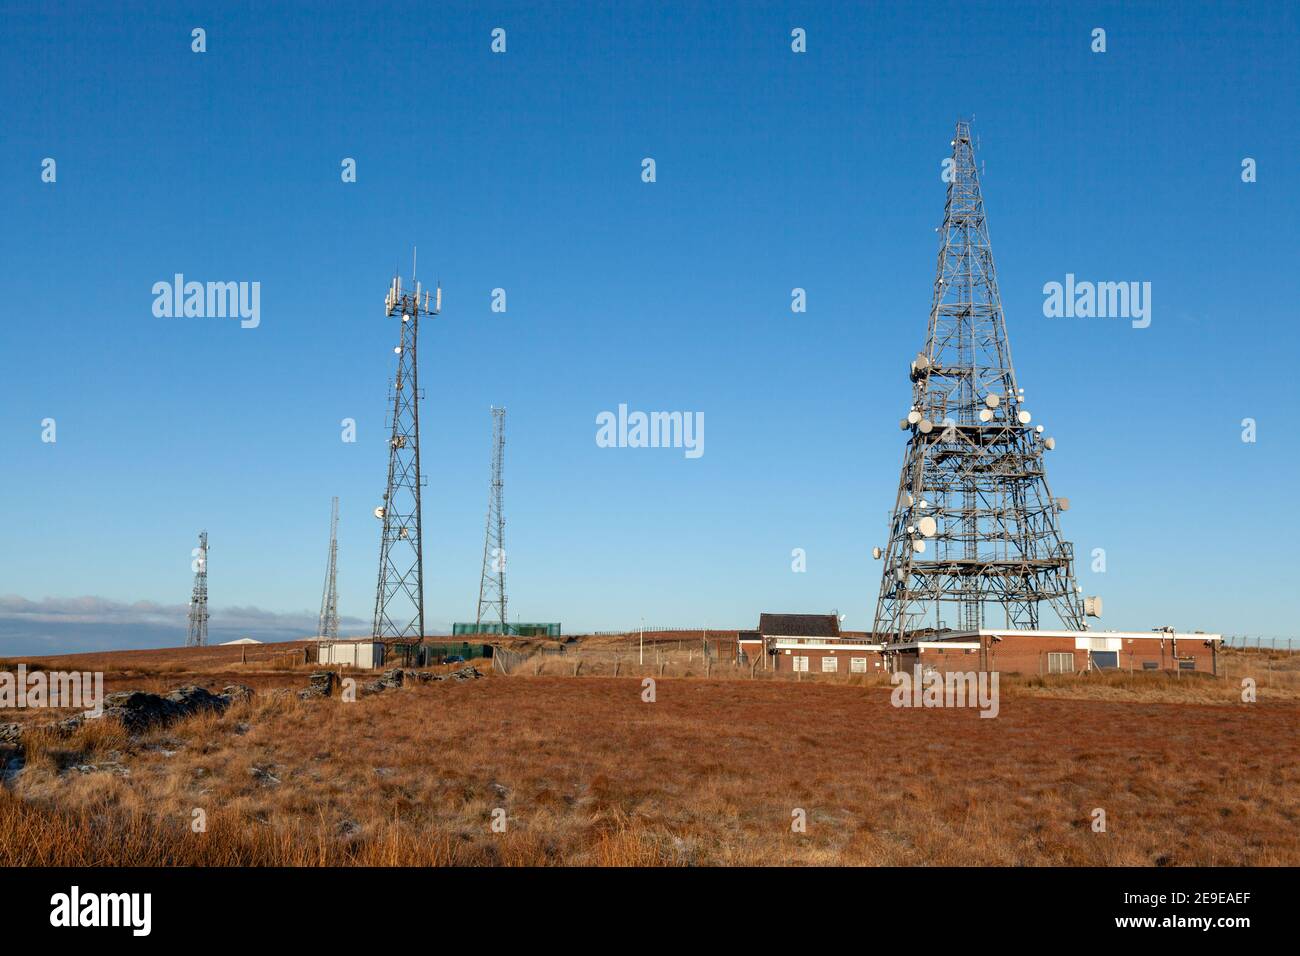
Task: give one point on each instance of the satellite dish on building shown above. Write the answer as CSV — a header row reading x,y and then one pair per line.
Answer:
x,y
913,416
379,512
926,426
1023,417
992,401
918,546
875,553
1049,443
928,526
1092,606
986,414
902,424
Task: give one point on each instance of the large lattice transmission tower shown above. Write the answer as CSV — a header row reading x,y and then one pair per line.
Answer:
x,y
198,632
492,583
399,596
328,629
974,523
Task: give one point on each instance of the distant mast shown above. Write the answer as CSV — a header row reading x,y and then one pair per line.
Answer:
x,y
198,634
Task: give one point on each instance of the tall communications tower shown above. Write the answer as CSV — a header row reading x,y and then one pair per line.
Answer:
x,y
198,633
399,596
492,583
974,523
328,629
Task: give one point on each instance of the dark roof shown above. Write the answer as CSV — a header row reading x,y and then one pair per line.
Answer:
x,y
799,625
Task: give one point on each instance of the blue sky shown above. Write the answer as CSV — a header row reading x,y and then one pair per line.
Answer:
x,y
522,171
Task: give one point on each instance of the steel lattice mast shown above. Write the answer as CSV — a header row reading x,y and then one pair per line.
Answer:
x,y
974,522
198,632
399,596
328,629
492,583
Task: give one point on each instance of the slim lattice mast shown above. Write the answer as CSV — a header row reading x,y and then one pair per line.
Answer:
x,y
328,629
399,596
974,523
492,584
198,633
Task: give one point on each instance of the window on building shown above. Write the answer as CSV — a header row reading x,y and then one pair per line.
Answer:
x,y
1060,663
830,665
800,663
1187,665
1150,665
858,665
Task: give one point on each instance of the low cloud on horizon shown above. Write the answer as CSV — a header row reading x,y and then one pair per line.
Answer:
x,y
84,624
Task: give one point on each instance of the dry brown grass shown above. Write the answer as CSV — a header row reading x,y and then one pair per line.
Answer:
x,y
709,774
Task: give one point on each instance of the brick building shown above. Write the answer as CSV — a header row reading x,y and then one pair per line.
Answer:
x,y
1060,652
809,643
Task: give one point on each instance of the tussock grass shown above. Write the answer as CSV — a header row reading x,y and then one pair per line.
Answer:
x,y
589,774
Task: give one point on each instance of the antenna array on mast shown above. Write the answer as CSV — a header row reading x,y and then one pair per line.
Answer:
x,y
974,522
399,594
198,632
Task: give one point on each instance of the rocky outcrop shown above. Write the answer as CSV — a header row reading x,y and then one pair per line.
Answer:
x,y
397,677
139,710
320,684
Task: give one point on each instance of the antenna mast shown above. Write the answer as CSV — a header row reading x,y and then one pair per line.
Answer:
x,y
492,583
974,522
198,633
328,629
399,595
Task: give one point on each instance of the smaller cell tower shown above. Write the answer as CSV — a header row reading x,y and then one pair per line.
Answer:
x,y
198,635
492,583
399,596
328,629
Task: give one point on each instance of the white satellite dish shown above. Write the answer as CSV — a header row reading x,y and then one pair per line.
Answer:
x,y
1039,429
913,416
992,401
910,500
379,512
918,546
902,424
1049,443
899,575
986,414
397,350
1023,417
926,426
1092,606
875,553
1063,504
928,526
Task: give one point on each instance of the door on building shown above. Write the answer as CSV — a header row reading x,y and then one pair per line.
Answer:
x,y
1105,659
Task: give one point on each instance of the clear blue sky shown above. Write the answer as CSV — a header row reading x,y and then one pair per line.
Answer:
x,y
522,171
